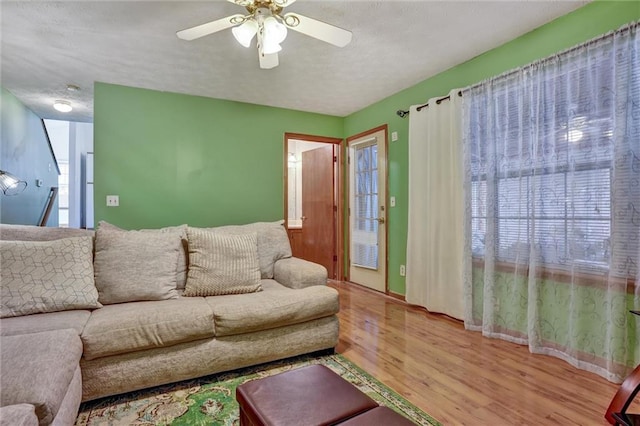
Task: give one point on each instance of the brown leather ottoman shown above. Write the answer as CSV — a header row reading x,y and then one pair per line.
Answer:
x,y
378,416
312,395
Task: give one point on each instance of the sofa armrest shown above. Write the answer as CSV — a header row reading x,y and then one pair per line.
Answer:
x,y
298,273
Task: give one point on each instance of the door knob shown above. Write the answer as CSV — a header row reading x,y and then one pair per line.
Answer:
x,y
380,219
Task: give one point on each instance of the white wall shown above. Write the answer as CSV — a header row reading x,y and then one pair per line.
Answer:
x,y
297,147
59,136
58,132
80,142
71,141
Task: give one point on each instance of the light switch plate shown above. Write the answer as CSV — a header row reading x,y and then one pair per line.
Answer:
x,y
392,201
394,136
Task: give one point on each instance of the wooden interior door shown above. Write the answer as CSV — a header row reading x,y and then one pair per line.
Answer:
x,y
318,233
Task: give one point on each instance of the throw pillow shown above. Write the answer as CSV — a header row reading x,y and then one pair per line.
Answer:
x,y
136,266
47,276
222,264
273,242
183,260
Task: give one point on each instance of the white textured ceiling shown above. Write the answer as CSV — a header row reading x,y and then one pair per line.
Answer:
x,y
396,44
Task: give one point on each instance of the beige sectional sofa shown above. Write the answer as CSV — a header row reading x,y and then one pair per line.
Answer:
x,y
130,345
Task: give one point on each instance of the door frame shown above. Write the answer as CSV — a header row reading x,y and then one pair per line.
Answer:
x,y
338,190
385,129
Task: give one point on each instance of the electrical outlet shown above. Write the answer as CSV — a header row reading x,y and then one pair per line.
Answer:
x,y
113,201
403,271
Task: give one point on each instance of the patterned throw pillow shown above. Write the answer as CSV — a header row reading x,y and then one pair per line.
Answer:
x,y
222,263
47,276
136,266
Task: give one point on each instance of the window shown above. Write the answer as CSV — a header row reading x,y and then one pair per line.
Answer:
x,y
542,170
568,217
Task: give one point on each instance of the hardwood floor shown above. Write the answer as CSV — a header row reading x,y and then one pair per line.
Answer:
x,y
460,377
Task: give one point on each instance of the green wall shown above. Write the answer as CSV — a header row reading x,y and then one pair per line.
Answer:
x,y
25,153
581,25
176,159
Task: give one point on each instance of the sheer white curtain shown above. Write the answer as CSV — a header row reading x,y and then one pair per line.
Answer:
x,y
435,238
552,214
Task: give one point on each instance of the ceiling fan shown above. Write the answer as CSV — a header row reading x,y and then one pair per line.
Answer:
x,y
266,21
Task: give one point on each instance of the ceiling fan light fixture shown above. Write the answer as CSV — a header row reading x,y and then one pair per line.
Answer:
x,y
273,32
245,32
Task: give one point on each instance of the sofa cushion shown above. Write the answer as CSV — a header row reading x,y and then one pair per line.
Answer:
x,y
136,326
37,323
222,264
38,369
47,276
18,415
183,259
273,242
137,370
136,266
276,306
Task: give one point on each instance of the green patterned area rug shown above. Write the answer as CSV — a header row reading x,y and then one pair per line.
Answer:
x,y
211,400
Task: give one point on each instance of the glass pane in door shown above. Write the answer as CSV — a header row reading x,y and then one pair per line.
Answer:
x,y
364,239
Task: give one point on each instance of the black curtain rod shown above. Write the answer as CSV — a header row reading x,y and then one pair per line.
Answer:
x,y
403,113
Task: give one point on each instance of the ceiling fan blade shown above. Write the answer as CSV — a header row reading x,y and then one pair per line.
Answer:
x,y
243,3
268,61
318,29
283,3
210,27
